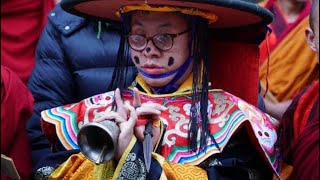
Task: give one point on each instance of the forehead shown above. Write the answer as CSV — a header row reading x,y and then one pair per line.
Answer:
x,y
165,19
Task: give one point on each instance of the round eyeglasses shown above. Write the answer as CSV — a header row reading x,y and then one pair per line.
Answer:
x,y
161,41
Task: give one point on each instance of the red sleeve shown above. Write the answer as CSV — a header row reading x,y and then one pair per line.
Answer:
x,y
306,152
16,109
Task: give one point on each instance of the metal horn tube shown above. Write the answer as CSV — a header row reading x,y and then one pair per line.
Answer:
x,y
98,140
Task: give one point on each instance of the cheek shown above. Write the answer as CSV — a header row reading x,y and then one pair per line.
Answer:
x,y
179,52
136,59
170,61
175,60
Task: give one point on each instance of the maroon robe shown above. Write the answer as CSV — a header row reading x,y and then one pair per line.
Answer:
x,y
22,22
16,109
300,132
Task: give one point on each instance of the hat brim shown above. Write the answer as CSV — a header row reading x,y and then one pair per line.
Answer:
x,y
231,13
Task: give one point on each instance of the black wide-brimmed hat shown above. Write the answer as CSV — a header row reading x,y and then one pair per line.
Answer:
x,y
221,13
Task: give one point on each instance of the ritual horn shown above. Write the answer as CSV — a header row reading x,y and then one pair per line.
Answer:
x,y
98,140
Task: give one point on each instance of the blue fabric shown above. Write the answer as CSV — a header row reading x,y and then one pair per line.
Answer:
x,y
72,63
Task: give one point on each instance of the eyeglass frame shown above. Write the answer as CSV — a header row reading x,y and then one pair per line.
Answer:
x,y
172,36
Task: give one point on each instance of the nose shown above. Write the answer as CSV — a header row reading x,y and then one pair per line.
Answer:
x,y
151,50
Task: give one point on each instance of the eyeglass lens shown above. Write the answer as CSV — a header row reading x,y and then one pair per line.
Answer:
x,y
161,41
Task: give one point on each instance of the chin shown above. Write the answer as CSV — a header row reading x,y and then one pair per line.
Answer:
x,y
157,82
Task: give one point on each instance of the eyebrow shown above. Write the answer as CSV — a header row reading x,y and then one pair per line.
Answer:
x,y
136,22
166,25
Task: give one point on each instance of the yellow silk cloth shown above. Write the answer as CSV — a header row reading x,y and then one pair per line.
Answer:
x,y
293,65
78,167
176,171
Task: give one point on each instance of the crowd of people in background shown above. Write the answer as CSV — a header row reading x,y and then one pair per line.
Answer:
x,y
286,54
51,58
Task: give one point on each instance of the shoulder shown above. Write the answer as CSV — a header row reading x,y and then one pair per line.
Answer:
x,y
233,103
64,22
71,117
229,113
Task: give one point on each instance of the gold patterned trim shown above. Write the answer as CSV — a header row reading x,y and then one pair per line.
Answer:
x,y
161,134
161,160
104,171
189,11
186,86
124,157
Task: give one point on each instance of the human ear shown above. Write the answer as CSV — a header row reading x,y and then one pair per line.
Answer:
x,y
311,39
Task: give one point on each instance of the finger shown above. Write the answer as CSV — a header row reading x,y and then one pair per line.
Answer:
x,y
136,98
132,115
150,108
155,106
110,116
118,97
118,118
120,106
147,111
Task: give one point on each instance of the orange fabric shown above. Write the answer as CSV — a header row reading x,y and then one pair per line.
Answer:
x,y
280,25
293,65
76,167
267,46
178,171
286,171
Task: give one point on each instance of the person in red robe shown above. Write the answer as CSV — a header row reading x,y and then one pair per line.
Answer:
x,y
300,123
288,65
22,22
16,109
